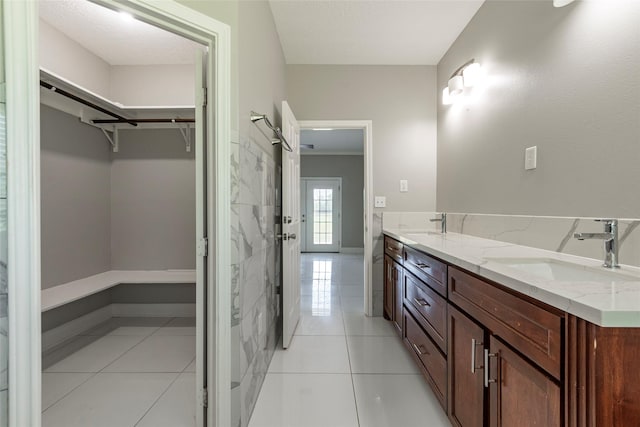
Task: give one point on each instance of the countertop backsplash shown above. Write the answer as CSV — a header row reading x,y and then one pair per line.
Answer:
x,y
550,233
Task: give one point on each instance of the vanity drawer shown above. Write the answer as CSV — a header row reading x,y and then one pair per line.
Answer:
x,y
430,361
530,328
428,269
393,248
429,308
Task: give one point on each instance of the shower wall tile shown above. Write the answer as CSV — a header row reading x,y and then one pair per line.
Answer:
x,y
256,257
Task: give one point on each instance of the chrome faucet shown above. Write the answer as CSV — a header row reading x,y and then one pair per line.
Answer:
x,y
610,237
442,220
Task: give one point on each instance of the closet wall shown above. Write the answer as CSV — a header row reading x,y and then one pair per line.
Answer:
x,y
153,190
75,197
130,210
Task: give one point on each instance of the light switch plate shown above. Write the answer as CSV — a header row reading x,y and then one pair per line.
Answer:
x,y
531,158
404,185
380,202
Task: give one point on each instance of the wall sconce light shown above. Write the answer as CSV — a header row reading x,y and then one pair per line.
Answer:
x,y
561,3
465,76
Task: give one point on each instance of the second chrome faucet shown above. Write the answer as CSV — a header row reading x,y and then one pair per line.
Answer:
x,y
610,237
442,220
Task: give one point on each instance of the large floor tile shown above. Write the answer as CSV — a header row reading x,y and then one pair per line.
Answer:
x,y
352,304
320,306
56,385
312,354
108,400
95,356
61,351
397,400
179,326
157,353
176,407
379,355
359,324
310,324
191,367
305,400
352,291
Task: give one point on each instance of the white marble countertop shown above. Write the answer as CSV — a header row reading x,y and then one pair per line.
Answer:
x,y
68,292
614,304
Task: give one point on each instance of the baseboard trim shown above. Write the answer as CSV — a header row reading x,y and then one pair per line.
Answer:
x,y
82,324
351,250
75,327
153,310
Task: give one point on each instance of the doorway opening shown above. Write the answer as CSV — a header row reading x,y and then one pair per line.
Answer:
x,y
349,149
208,154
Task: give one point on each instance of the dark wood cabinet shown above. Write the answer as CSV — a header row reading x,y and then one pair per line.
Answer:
x,y
495,357
393,295
519,394
466,388
388,287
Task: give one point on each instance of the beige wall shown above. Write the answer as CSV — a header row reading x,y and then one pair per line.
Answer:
x,y
401,102
75,207
563,79
351,170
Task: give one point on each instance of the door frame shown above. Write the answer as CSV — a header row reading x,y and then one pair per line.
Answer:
x,y
23,190
338,204
367,127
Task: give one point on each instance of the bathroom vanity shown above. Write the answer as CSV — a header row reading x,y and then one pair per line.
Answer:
x,y
508,335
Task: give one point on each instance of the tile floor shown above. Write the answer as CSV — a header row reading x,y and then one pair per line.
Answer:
x,y
343,368
127,372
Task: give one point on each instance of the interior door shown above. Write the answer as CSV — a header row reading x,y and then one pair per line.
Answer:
x,y
202,235
290,226
303,216
322,219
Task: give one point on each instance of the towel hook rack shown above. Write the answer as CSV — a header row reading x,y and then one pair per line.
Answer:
x,y
280,139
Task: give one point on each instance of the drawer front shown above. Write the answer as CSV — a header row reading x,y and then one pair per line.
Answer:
x,y
428,269
532,330
427,354
393,248
429,308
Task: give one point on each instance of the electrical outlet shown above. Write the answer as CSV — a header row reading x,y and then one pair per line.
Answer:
x,y
404,185
380,202
531,158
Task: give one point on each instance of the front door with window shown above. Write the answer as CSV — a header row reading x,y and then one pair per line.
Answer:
x,y
321,203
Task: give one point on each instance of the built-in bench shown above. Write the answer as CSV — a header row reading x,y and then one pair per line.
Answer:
x,y
72,308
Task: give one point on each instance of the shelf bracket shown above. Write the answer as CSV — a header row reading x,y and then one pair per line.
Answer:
x,y
186,134
113,140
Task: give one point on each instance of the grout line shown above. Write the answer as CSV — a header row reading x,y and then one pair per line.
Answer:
x,y
158,399
42,410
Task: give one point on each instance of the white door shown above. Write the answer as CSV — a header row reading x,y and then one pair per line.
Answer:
x,y
290,226
202,234
322,204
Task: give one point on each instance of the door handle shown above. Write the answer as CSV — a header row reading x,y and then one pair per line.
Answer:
x,y
292,236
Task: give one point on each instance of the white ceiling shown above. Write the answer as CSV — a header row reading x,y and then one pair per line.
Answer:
x,y
383,32
335,141
117,41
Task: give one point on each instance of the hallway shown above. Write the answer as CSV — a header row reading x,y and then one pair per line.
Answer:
x,y
343,368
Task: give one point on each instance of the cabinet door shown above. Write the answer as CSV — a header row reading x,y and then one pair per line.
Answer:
x,y
521,394
398,297
466,387
389,288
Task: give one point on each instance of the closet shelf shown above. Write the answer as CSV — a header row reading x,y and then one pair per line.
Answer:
x,y
72,291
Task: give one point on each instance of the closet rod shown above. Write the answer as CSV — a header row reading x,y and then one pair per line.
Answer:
x,y
85,102
103,121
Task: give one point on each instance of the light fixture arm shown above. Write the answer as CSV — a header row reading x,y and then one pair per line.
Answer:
x,y
460,69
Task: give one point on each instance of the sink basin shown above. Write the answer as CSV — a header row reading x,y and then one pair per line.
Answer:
x,y
551,269
423,234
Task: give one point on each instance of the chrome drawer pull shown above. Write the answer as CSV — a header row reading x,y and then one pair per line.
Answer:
x,y
487,355
419,350
473,355
423,266
421,302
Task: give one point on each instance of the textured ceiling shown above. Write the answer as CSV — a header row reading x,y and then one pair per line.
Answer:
x,y
116,40
393,32
336,141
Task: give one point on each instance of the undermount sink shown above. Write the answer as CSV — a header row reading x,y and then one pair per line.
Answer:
x,y
551,269
423,234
